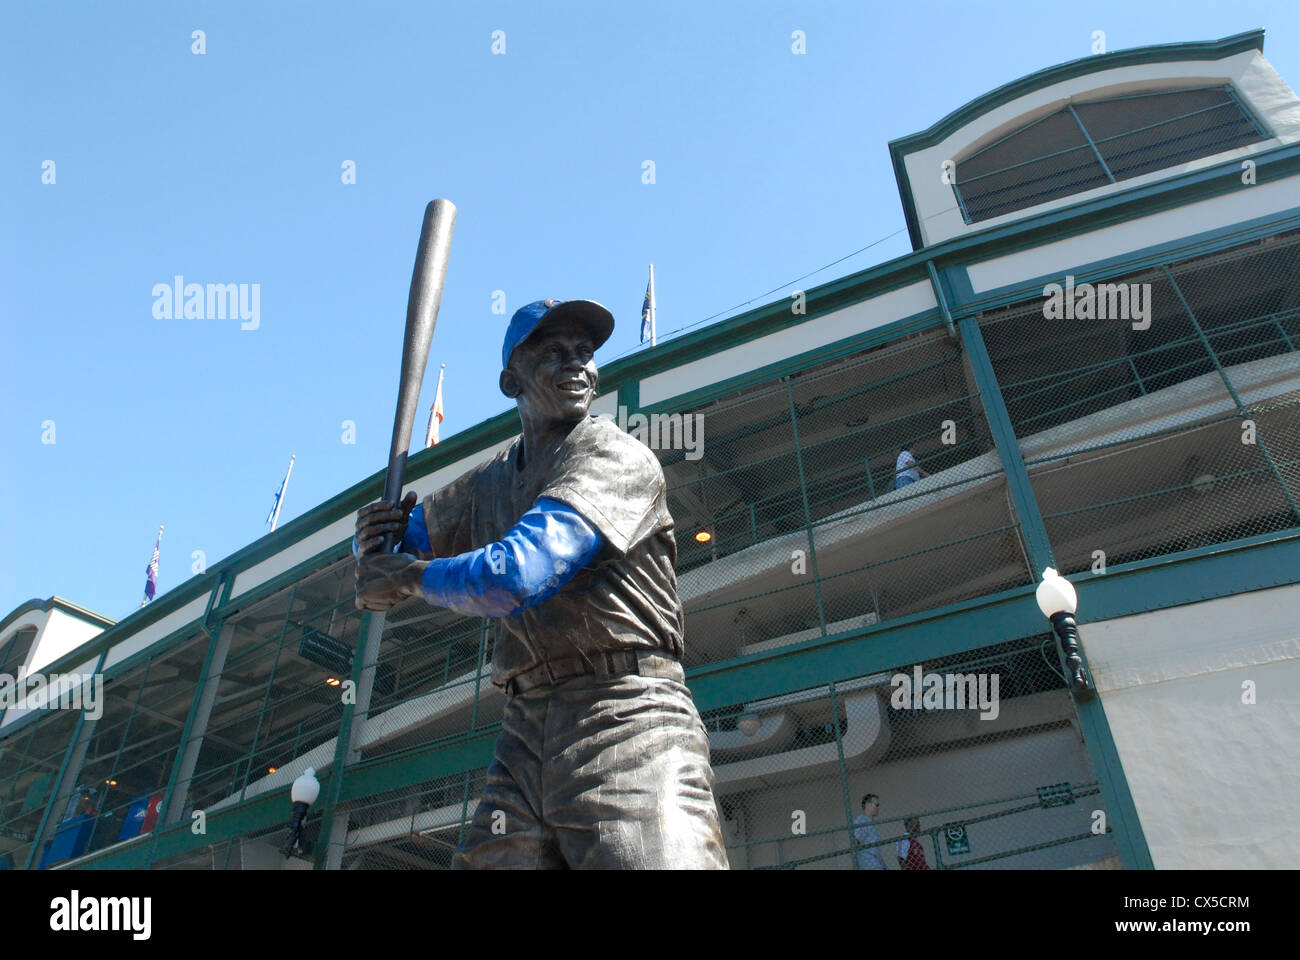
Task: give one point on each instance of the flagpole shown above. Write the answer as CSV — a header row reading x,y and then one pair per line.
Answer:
x,y
279,500
652,304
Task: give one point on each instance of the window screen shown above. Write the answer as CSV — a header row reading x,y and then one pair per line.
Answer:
x,y
1090,144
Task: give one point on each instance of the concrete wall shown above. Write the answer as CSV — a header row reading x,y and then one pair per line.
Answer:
x,y
969,774
1212,773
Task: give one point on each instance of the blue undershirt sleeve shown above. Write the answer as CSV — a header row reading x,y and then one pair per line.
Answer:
x,y
416,538
529,565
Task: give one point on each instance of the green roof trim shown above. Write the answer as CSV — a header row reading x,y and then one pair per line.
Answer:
x,y
57,603
1157,53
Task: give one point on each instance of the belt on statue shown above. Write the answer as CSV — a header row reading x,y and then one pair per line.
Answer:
x,y
607,665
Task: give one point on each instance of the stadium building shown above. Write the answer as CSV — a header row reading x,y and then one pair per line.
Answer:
x,y
1091,354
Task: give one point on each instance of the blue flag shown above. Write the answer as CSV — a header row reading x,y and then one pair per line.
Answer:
x,y
151,571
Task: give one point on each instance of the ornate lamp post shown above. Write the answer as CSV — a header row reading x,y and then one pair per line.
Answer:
x,y
1058,601
304,792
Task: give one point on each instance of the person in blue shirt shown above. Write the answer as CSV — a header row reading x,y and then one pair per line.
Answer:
x,y
566,541
867,834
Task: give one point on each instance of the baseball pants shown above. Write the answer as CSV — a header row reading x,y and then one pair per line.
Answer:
x,y
594,774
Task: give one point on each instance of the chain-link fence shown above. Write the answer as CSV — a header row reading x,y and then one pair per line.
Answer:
x,y
278,691
415,827
130,750
800,517
1169,425
29,765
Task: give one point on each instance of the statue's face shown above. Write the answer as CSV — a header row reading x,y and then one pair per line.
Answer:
x,y
553,376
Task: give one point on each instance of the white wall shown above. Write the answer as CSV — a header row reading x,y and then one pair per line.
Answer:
x,y
156,631
1064,256
1214,779
60,634
1009,767
830,328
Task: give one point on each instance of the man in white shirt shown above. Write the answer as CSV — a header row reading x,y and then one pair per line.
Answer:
x,y
905,470
867,833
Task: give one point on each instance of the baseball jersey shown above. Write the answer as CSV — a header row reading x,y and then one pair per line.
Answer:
x,y
626,598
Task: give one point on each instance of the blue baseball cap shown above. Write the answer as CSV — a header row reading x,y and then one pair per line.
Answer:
x,y
598,322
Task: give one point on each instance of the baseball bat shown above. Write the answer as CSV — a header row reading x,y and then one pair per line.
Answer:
x,y
421,317
422,305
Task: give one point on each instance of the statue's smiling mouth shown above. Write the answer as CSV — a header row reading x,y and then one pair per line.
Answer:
x,y
572,387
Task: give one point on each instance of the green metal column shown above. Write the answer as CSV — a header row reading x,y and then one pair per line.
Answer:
x,y
196,721
266,697
844,776
365,658
1125,823
196,724
807,511
59,790
1032,527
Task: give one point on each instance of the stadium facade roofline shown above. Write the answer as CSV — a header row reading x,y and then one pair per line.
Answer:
x,y
625,374
1156,53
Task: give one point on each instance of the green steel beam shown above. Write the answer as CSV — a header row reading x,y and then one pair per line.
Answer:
x,y
1087,136
941,297
266,697
343,741
1004,437
629,396
1205,573
39,838
467,752
844,768
807,512
1118,797
1125,824
171,807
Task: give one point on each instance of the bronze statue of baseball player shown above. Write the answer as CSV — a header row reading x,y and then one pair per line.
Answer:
x,y
565,538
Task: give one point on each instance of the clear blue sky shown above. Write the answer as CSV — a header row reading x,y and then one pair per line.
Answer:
x,y
225,168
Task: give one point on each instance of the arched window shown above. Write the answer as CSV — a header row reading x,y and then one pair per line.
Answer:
x,y
1091,144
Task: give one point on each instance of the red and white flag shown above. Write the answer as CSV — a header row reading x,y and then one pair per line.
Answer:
x,y
435,413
